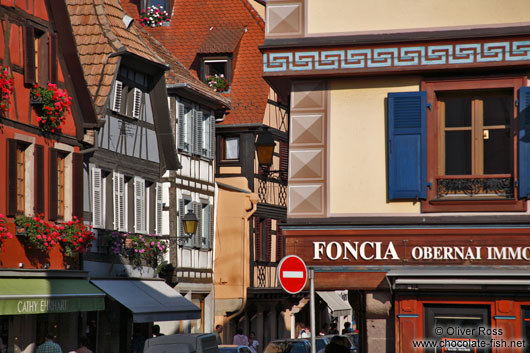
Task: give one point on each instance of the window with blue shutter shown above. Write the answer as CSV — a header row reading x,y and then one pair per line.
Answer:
x,y
524,142
407,145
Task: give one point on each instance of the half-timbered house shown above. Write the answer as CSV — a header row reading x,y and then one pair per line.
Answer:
x,y
251,200
133,150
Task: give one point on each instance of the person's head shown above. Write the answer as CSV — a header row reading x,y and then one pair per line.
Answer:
x,y
239,331
347,324
333,325
156,330
49,336
83,341
341,341
219,328
252,335
336,348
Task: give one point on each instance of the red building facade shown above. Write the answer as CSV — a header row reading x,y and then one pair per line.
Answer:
x,y
42,127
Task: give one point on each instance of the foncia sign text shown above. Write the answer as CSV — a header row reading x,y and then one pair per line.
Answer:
x,y
386,251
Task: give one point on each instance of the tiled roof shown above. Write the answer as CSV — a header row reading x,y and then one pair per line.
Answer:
x,y
99,31
177,73
221,40
190,25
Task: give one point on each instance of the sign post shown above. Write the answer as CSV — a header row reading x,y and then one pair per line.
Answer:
x,y
292,275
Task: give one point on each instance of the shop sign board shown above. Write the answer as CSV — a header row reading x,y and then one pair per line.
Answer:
x,y
491,247
292,274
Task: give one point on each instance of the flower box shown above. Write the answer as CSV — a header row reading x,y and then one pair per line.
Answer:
x,y
51,104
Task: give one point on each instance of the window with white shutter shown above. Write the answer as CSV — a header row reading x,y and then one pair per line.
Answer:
x,y
212,136
139,206
188,129
206,225
180,126
98,203
198,132
158,209
118,96
137,103
120,202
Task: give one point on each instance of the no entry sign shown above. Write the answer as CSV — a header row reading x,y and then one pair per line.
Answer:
x,y
292,274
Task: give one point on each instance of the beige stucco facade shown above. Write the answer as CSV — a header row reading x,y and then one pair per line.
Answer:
x,y
344,16
357,145
231,252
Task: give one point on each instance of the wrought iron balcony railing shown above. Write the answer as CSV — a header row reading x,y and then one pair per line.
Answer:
x,y
497,186
272,188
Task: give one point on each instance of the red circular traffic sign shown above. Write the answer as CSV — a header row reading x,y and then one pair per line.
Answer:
x,y
292,274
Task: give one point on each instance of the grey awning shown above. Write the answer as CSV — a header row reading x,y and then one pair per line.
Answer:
x,y
338,306
477,278
149,300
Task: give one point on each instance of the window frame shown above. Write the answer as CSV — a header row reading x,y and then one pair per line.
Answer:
x,y
441,85
205,70
167,7
21,178
61,184
224,139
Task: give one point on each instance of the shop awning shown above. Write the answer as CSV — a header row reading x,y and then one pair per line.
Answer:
x,y
338,306
149,300
460,278
22,296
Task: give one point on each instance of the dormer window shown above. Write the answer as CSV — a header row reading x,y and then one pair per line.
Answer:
x,y
217,66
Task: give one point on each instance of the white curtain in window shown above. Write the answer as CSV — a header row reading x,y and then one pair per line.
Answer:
x,y
232,148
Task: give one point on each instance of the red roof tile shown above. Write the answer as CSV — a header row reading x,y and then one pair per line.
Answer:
x,y
189,29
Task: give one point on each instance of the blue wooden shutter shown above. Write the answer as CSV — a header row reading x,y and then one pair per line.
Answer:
x,y
407,145
524,142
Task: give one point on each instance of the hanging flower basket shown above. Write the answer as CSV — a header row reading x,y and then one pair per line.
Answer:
x,y
51,104
36,233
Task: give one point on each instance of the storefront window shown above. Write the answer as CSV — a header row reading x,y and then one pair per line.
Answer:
x,y
457,326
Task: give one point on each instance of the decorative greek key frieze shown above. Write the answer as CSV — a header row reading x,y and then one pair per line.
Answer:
x,y
413,56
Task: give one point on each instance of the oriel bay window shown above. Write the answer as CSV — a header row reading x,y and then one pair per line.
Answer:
x,y
454,145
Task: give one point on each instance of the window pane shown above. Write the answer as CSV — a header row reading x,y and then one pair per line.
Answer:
x,y
157,3
457,152
457,111
216,68
497,110
497,152
232,148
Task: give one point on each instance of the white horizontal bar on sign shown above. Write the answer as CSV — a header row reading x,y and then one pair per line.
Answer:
x,y
293,274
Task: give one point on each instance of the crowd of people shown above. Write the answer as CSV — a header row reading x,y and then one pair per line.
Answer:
x,y
241,339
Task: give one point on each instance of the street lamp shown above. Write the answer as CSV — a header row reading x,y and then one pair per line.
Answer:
x,y
189,223
265,147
